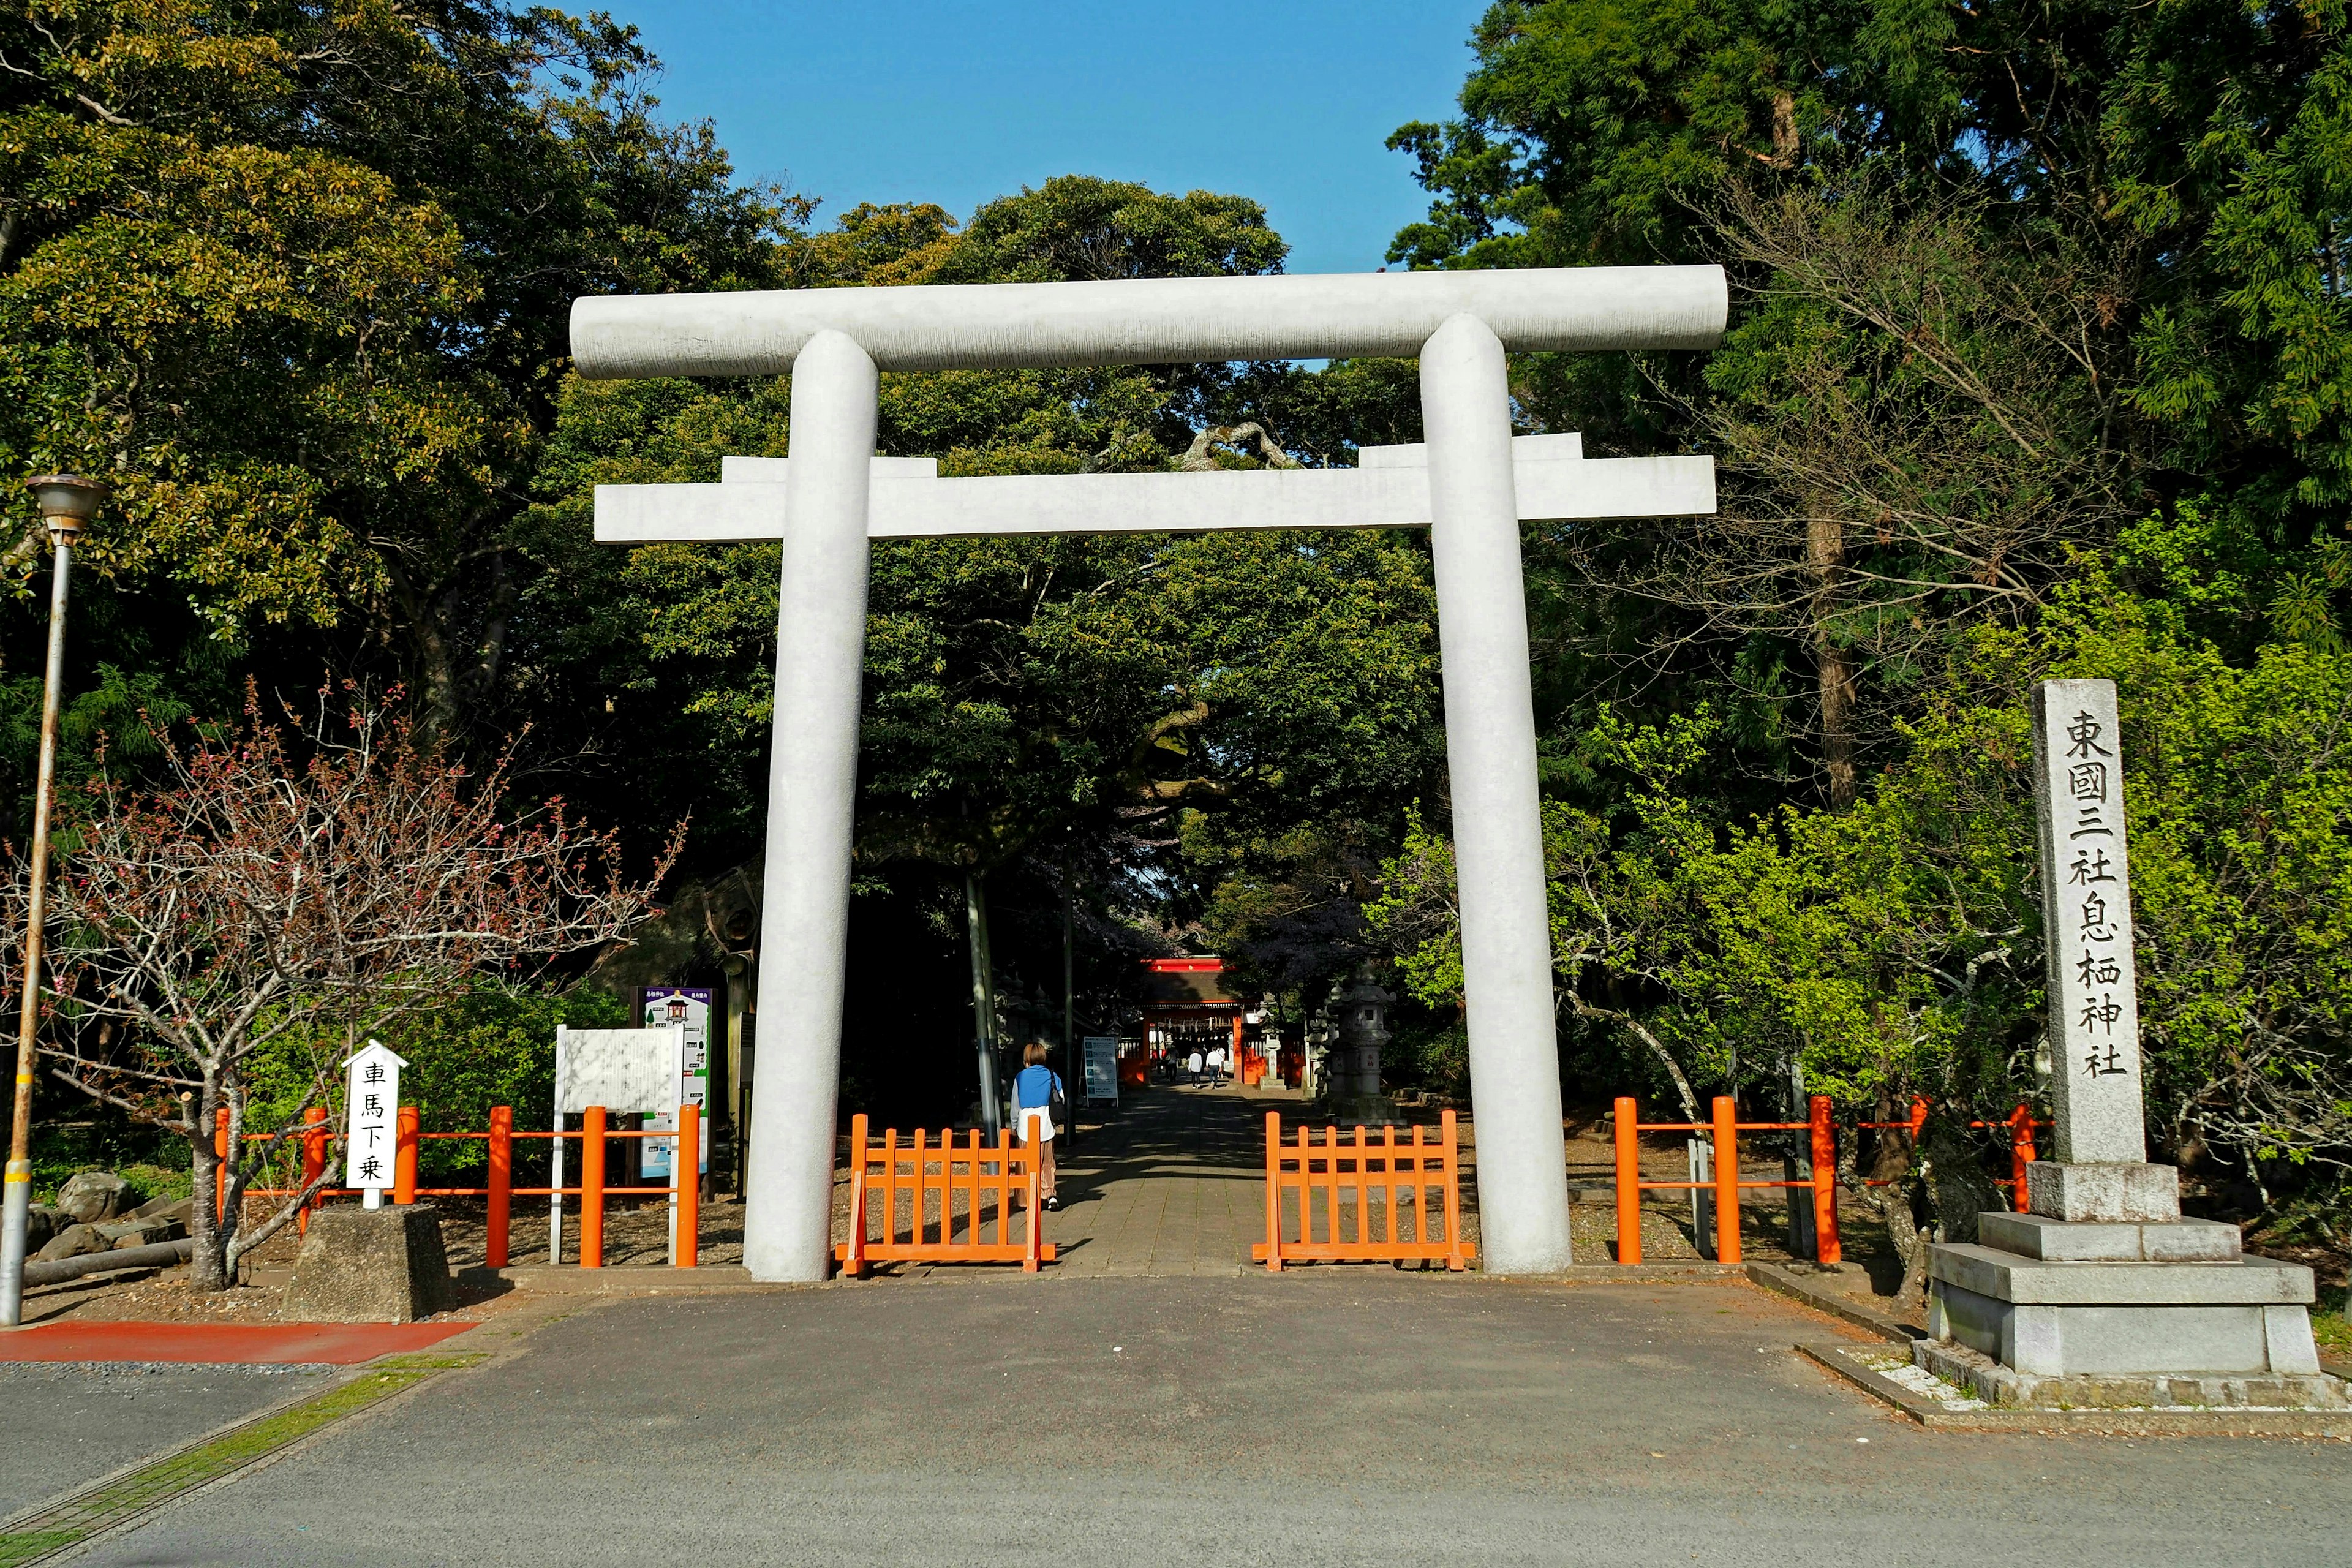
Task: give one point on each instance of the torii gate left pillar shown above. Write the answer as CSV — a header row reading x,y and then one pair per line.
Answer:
x,y
1460,325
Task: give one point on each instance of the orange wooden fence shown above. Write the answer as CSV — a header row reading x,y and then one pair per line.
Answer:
x,y
685,1179
1402,1174
1725,1127
932,1173
1725,1130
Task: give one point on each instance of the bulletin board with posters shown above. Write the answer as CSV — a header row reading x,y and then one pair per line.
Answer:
x,y
1102,1071
686,1007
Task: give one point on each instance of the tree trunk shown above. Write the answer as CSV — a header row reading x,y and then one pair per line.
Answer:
x,y
983,1000
1834,666
208,1239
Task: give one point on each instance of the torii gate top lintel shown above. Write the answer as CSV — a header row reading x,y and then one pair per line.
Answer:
x,y
1152,320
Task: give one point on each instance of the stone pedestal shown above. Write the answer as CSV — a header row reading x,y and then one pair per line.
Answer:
x,y
370,1265
2117,1301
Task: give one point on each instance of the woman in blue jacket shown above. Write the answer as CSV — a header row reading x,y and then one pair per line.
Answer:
x,y
1035,1088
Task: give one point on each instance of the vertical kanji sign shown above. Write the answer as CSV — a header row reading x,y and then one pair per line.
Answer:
x,y
2087,924
372,1102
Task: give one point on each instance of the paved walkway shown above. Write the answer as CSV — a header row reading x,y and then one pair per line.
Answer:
x,y
1322,1416
1173,1187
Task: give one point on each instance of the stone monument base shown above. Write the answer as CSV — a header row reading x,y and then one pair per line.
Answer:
x,y
370,1265
2135,1308
1347,1111
1994,1383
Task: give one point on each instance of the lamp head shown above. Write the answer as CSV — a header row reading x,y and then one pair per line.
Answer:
x,y
67,502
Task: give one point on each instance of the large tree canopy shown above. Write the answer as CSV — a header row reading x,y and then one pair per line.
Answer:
x,y
2037,365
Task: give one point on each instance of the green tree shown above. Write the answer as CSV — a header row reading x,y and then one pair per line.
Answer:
x,y
295,277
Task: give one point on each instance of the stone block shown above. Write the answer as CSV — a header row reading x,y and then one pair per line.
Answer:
x,y
2122,1319
2062,1241
2007,1277
1988,1379
72,1242
370,1265
2115,1191
43,1221
137,1231
2108,1342
91,1196
181,1209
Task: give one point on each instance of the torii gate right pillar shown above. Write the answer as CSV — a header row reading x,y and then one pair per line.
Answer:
x,y
1482,627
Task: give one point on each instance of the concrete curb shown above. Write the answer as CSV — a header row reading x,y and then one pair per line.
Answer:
x,y
570,1278
1839,1360
1781,1282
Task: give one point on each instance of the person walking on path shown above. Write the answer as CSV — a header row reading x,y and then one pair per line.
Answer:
x,y
1035,1089
1192,1066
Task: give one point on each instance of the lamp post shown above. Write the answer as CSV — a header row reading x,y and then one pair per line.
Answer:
x,y
67,502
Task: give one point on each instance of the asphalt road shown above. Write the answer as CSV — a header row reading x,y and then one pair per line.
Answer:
x,y
1322,1417
63,1425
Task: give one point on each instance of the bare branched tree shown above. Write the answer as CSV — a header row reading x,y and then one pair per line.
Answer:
x,y
258,905
1914,432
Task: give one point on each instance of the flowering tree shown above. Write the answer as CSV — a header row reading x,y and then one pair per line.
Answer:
x,y
259,903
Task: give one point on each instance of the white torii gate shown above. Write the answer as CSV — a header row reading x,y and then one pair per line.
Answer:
x,y
1472,485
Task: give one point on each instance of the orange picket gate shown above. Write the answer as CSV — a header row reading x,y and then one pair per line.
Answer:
x,y
932,1174
1400,1176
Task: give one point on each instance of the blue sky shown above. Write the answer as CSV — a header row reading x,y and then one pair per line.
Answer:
x,y
956,101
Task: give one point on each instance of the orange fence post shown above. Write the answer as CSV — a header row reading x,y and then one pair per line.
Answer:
x,y
1629,1181
1457,1256
2021,1155
1274,1191
855,1260
1827,1248
1037,1215
686,1175
220,1165
403,1156
494,1249
592,1187
1726,1179
314,1161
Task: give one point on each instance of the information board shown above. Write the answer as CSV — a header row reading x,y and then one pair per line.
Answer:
x,y
1102,1070
686,1007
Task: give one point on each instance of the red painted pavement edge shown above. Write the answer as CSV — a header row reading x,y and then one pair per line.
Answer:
x,y
336,1344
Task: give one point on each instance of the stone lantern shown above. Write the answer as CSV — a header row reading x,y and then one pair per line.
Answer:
x,y
1360,1010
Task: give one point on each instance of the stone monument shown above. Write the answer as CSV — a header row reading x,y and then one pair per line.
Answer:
x,y
2099,1293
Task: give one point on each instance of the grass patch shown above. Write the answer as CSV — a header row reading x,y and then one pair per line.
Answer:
x,y
2330,1327
112,1502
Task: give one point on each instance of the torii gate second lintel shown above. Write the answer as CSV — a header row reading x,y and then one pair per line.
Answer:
x,y
1463,484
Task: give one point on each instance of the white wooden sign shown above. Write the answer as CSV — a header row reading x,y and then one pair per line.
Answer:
x,y
372,1131
623,1070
